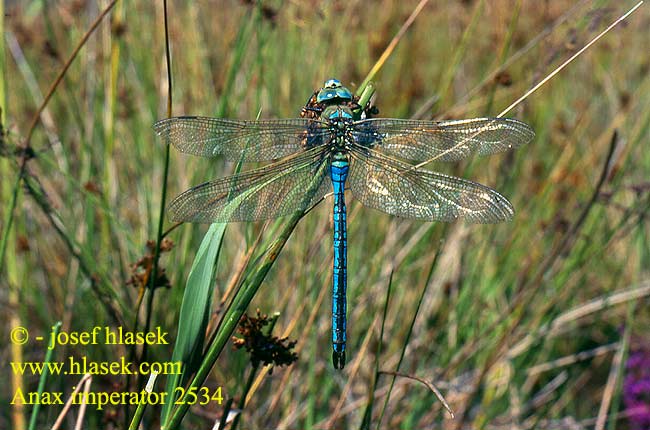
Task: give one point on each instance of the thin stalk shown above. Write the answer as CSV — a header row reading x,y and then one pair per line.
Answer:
x,y
242,401
163,192
224,418
429,385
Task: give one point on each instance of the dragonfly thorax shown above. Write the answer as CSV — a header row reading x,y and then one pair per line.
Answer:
x,y
340,119
334,113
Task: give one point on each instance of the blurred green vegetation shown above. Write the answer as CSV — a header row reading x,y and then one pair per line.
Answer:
x,y
520,325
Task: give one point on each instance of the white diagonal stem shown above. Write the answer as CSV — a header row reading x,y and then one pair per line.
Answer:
x,y
536,87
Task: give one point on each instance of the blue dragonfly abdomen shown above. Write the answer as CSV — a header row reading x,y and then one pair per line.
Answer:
x,y
339,172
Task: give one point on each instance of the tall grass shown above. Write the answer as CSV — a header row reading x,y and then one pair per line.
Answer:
x,y
520,325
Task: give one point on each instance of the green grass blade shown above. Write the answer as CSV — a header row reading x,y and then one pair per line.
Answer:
x,y
195,311
43,378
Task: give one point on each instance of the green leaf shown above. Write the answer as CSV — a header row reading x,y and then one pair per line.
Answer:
x,y
195,312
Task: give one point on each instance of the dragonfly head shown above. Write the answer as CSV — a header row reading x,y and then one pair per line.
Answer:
x,y
333,90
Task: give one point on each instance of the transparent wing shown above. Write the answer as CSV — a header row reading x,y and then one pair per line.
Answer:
x,y
241,140
441,140
279,189
396,188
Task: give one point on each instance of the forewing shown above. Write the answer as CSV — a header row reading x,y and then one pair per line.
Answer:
x,y
421,141
279,189
398,189
241,140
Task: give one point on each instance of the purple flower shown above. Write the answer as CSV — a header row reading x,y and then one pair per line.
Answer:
x,y
636,389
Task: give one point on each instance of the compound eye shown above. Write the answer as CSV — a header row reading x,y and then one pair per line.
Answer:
x,y
332,83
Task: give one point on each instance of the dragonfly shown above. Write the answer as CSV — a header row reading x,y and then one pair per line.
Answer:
x,y
337,145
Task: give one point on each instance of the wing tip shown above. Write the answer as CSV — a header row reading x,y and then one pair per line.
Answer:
x,y
174,214
502,210
525,129
160,126
498,210
180,208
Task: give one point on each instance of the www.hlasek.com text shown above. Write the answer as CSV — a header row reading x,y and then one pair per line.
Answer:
x,y
83,365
